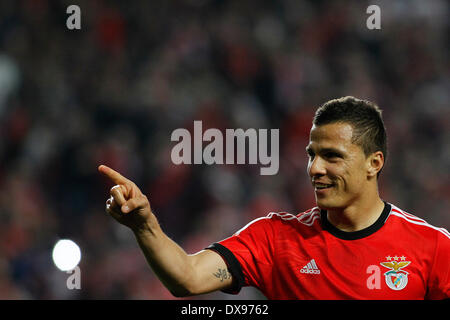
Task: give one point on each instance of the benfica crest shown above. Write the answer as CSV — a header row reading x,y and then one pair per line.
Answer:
x,y
396,279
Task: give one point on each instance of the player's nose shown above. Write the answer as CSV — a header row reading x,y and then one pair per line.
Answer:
x,y
316,167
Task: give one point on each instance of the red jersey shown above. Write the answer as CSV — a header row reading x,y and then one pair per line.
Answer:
x,y
304,256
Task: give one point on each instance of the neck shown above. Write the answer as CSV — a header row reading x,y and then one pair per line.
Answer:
x,y
357,216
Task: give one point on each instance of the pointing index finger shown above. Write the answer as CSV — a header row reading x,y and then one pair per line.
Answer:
x,y
116,177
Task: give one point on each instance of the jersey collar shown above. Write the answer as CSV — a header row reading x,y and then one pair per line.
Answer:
x,y
355,235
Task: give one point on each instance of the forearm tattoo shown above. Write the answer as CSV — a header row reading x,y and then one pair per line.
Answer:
x,y
222,274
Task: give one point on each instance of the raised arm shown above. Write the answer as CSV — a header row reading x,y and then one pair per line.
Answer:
x,y
183,274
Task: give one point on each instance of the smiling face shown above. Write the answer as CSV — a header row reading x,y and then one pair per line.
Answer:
x,y
339,170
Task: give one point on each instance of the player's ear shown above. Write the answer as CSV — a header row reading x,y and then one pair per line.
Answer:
x,y
375,163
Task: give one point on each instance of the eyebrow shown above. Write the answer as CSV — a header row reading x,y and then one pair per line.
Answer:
x,y
324,150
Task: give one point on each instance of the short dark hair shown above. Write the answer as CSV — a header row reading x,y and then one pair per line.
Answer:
x,y
364,116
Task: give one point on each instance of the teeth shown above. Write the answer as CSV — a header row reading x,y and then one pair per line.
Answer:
x,y
322,186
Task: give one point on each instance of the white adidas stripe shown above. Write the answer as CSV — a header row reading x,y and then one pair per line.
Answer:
x,y
282,215
307,218
249,224
414,218
442,230
313,218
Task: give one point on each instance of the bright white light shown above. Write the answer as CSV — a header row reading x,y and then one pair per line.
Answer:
x,y
66,255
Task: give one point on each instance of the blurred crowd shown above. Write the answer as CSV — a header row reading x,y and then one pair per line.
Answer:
x,y
113,92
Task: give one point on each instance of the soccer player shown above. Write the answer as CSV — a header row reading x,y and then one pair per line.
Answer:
x,y
352,245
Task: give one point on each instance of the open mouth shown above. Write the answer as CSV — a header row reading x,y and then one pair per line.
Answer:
x,y
322,186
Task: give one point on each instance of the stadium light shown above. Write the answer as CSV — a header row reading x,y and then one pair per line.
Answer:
x,y
66,254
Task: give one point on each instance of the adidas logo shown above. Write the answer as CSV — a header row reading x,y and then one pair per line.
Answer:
x,y
311,267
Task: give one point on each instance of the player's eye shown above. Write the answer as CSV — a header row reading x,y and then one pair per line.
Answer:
x,y
332,155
